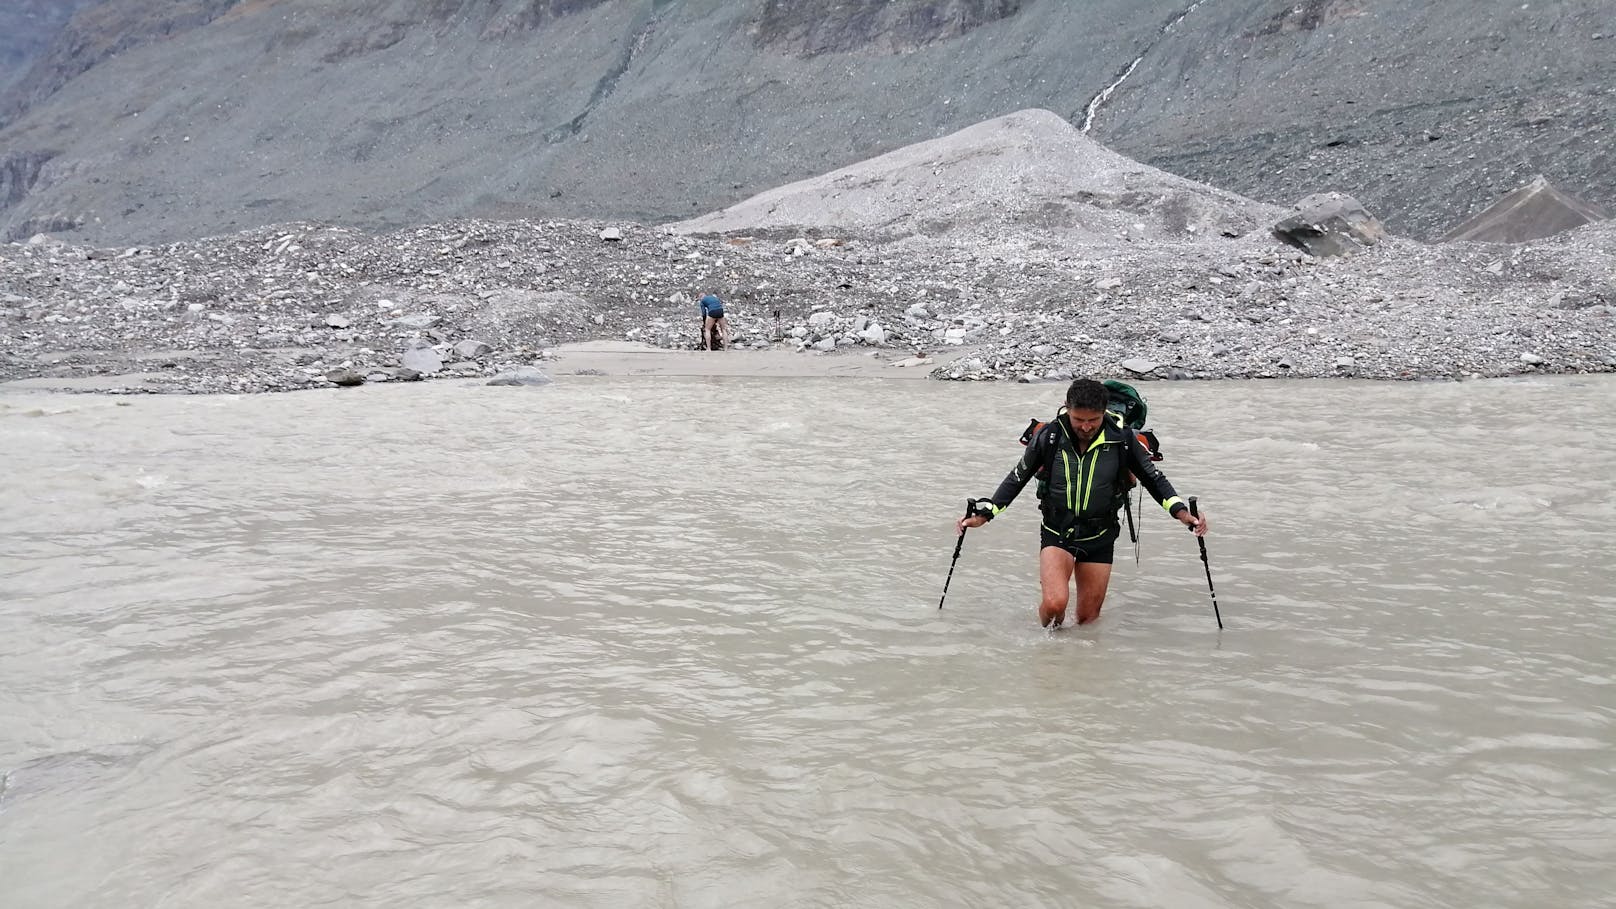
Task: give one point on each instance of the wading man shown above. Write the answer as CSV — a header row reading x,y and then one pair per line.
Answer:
x,y
1085,455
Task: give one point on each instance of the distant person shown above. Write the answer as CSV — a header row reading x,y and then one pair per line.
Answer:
x,y
1085,455
714,327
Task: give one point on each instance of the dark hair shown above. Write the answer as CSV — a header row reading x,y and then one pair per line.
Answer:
x,y
1086,394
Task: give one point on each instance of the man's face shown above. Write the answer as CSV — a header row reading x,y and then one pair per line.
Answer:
x,y
1085,422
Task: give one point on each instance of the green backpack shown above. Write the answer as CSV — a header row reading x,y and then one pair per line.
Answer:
x,y
1127,402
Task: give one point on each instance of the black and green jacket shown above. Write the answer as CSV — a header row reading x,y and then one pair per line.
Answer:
x,y
1085,488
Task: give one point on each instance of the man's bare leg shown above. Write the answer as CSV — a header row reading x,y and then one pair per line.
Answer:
x,y
1092,580
707,332
1055,579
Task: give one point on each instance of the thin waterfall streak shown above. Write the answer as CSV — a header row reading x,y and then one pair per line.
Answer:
x,y
1093,107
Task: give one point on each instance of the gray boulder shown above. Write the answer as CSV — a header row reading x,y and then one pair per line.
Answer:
x,y
471,350
1329,224
344,376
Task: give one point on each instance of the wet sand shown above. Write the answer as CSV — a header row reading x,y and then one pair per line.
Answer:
x,y
610,358
627,358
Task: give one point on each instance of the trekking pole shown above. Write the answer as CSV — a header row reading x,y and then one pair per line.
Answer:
x,y
958,544
1133,532
1204,562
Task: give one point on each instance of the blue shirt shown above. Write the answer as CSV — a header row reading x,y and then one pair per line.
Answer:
x,y
712,306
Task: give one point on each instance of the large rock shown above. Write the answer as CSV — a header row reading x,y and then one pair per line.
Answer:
x,y
471,349
1330,224
344,376
423,360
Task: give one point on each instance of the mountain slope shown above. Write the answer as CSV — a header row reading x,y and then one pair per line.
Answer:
x,y
213,115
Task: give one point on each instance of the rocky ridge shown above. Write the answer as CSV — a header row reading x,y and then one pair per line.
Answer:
x,y
949,243
288,307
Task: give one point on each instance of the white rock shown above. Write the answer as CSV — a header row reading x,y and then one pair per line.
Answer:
x,y
521,375
423,360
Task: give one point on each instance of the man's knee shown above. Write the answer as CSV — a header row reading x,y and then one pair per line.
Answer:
x,y
1088,607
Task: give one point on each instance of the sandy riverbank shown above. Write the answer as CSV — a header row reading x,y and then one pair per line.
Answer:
x,y
582,360
627,358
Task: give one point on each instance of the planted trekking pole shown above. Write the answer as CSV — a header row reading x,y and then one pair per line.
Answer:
x,y
1133,532
958,544
1204,562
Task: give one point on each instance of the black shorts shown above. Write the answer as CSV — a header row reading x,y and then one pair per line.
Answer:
x,y
1098,549
715,314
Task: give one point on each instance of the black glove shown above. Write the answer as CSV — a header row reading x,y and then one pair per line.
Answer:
x,y
981,508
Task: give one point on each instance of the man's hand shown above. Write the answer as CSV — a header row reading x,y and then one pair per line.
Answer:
x,y
974,520
1196,523
979,512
